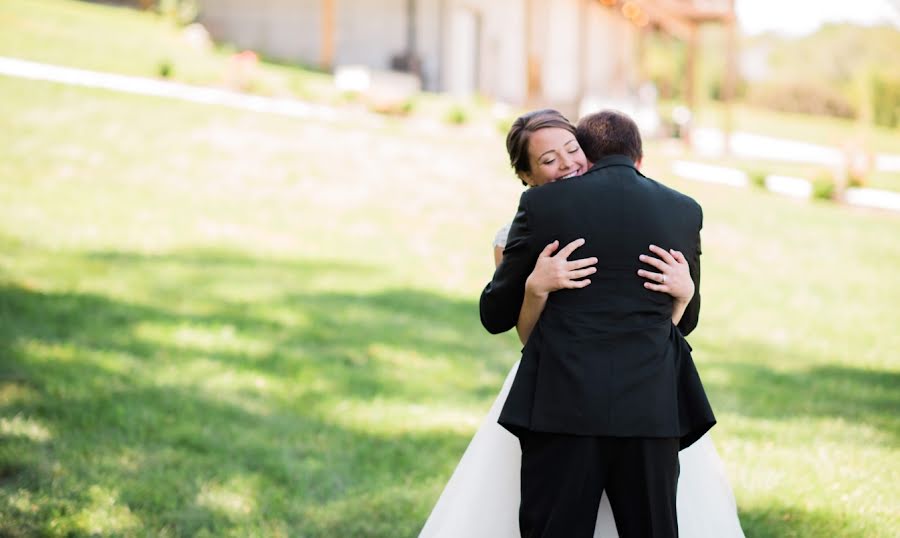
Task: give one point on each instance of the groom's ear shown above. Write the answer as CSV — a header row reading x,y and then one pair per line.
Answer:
x,y
637,163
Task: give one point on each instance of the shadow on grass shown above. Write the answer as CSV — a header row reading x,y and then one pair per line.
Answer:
x,y
209,396
191,406
777,521
856,395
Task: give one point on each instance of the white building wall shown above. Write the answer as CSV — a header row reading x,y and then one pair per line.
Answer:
x,y
370,32
286,29
294,30
611,68
503,71
428,41
463,57
366,32
484,49
560,39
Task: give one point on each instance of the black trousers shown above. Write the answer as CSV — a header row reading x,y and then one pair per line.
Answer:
x,y
564,477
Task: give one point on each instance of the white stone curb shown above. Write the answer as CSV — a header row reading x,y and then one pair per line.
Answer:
x,y
877,198
710,173
794,187
159,88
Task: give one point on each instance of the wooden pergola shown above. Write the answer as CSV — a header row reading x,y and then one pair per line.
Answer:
x,y
683,19
679,18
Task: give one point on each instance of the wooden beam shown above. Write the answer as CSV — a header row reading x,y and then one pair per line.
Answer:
x,y
411,28
730,82
678,18
532,62
672,24
686,10
690,78
584,14
326,60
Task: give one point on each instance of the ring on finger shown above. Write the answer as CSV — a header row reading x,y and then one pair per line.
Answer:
x,y
663,281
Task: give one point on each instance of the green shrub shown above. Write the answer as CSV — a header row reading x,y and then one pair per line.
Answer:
x,y
164,69
802,97
349,96
457,115
885,99
824,186
504,124
408,106
390,107
757,178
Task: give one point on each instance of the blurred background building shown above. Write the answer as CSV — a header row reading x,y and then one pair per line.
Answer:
x,y
560,53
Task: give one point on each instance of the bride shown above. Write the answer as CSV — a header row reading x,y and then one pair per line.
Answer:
x,y
482,497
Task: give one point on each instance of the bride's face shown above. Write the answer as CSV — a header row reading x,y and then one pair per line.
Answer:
x,y
553,154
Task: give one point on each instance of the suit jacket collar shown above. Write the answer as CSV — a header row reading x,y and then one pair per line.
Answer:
x,y
613,160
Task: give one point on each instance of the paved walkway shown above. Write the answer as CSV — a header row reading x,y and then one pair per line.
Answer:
x,y
795,187
712,141
147,86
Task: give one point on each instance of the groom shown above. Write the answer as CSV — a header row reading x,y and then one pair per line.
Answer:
x,y
606,393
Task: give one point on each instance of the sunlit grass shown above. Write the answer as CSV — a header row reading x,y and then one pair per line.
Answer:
x,y
229,324
85,34
829,131
18,426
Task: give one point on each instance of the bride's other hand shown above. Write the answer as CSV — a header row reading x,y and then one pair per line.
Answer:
x,y
674,276
556,272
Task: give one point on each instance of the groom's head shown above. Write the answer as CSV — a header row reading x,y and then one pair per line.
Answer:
x,y
609,132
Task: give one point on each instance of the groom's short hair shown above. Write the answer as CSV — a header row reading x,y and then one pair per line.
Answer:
x,y
609,132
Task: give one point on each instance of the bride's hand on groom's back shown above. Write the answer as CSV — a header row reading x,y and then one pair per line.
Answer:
x,y
554,272
673,276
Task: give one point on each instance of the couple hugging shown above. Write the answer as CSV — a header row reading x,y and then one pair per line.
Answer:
x,y
606,397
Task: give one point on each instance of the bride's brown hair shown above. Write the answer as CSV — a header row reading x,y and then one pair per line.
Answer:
x,y
520,133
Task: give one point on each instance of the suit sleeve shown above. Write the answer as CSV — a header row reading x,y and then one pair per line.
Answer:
x,y
692,313
502,298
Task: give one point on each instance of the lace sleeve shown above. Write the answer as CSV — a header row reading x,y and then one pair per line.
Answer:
x,y
500,238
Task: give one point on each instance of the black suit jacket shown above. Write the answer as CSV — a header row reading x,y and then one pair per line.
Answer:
x,y
605,359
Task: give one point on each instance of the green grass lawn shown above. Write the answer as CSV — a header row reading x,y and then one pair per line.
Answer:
x,y
827,131
823,130
224,323
762,168
132,42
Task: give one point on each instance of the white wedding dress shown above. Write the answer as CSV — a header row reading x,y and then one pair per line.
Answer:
x,y
481,500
